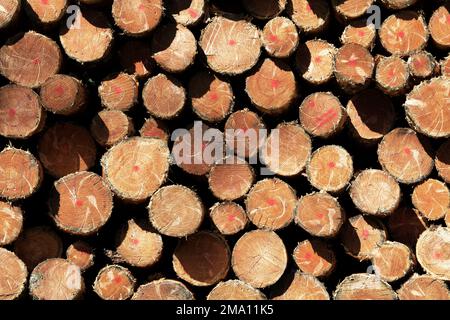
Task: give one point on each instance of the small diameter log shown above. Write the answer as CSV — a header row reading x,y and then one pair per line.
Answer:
x,y
432,199
114,283
433,252
81,203
38,244
11,222
404,33
127,165
392,261
202,259
392,75
287,150
81,254
423,287
212,98
29,59
163,289
63,95
354,67
405,225
154,128
163,96
315,61
119,92
264,10
319,214
137,18
398,4
272,87
443,161
13,275
21,114
174,47
375,192
109,127
305,287
350,9
259,258
239,128
361,235
405,156
445,67
45,12
322,114
360,32
176,211
422,65
439,27
137,246
427,108
56,279
371,115
230,46
135,58
280,37
10,13
315,257
187,12
270,204
310,16
66,148
228,217
330,169
21,174
363,286
88,38
235,290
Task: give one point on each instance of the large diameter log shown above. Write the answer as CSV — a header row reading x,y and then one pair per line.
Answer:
x,y
424,287
439,26
187,12
45,12
432,199
392,261
137,18
364,286
315,257
280,37
235,290
305,287
11,222
163,289
114,283
315,60
311,17
405,225
13,275
11,12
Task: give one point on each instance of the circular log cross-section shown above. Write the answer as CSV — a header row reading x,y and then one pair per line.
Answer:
x,y
264,10
127,165
21,114
305,287
422,65
271,204
202,259
235,290
89,38
81,254
319,214
230,46
280,37
137,18
404,156
354,67
315,257
13,275
11,222
432,199
109,127
406,225
163,289
392,75
433,252
119,92
66,148
163,96
259,258
440,27
330,169
392,261
375,192
287,150
363,286
81,203
135,58
21,174
29,59
424,287
404,33
114,283
153,128
315,61
427,108
361,235
56,279
360,32
45,12
228,217
176,211
371,115
187,12
64,95
310,16
443,161
322,114
10,13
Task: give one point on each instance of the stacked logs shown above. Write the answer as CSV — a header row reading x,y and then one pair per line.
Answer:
x,y
276,149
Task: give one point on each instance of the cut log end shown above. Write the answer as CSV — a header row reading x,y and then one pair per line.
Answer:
x,y
360,32
235,290
13,276
351,9
154,128
424,287
432,199
392,75
187,12
228,217
398,4
443,161
406,225
11,12
163,289
315,61
312,17
109,127
392,261
364,286
439,27
114,283
315,257
11,222
422,65
135,58
119,92
305,287
137,18
280,37
46,13
81,254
